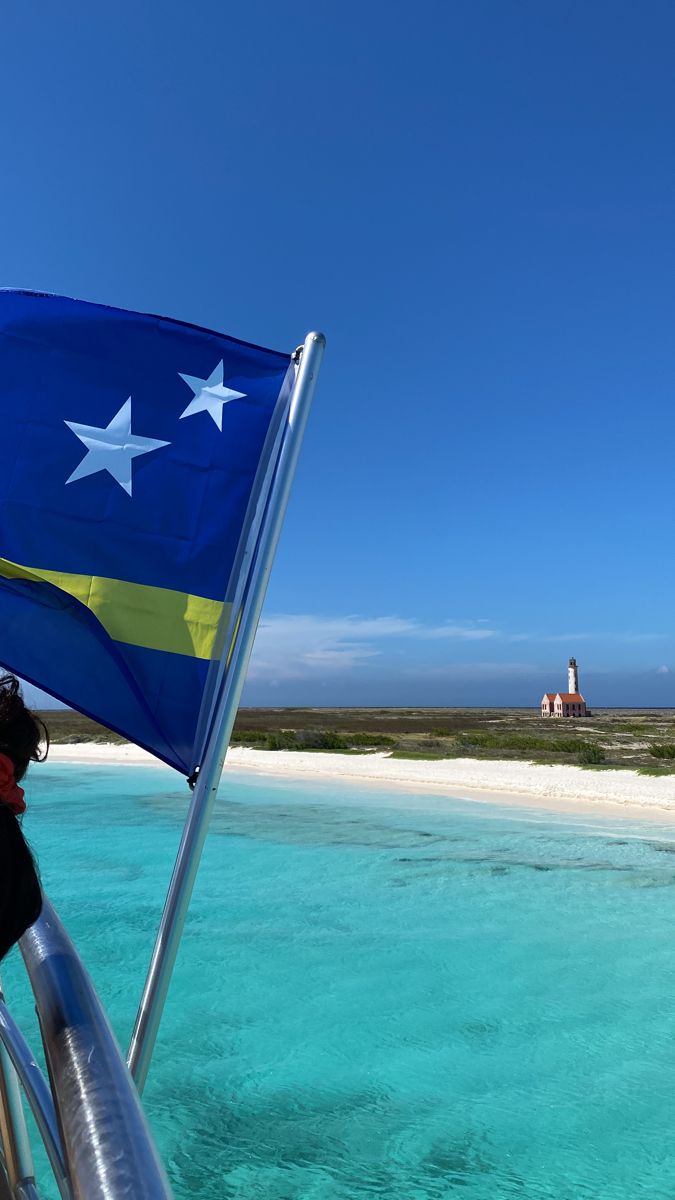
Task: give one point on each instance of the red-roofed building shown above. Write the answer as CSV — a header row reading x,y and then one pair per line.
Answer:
x,y
565,704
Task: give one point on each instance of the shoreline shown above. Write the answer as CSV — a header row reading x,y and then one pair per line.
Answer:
x,y
519,784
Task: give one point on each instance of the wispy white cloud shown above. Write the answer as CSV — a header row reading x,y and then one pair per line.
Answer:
x,y
663,670
464,633
476,672
298,646
304,646
627,637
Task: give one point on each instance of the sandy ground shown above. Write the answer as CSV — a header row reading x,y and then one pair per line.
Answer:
x,y
556,787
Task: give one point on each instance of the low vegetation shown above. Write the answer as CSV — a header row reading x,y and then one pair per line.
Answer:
x,y
590,754
310,739
609,739
663,749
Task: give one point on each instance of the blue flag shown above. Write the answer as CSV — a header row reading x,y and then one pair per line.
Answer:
x,y
133,450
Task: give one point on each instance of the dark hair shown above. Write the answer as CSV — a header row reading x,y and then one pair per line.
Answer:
x,y
21,735
21,731
20,892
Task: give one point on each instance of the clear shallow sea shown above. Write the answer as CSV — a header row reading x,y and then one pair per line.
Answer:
x,y
379,995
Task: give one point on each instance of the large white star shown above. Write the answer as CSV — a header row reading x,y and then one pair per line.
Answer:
x,y
210,395
112,449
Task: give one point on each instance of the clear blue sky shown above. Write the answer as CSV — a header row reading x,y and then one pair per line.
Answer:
x,y
474,201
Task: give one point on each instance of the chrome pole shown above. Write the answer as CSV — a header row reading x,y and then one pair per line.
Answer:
x,y
203,798
15,1139
107,1145
26,1191
37,1093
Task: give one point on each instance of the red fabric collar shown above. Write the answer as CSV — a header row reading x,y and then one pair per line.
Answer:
x,y
10,792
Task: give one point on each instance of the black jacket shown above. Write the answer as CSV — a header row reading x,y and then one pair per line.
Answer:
x,y
20,893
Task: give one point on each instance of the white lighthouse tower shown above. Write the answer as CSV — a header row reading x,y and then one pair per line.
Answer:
x,y
566,704
572,677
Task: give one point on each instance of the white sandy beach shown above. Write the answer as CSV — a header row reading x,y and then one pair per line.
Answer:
x,y
557,787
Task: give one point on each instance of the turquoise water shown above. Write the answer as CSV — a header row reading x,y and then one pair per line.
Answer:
x,y
382,995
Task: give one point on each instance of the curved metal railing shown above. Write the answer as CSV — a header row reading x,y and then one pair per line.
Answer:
x,y
39,1097
91,1119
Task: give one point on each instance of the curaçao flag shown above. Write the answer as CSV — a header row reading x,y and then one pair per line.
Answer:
x,y
132,453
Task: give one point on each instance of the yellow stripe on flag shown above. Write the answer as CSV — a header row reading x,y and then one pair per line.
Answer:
x,y
137,613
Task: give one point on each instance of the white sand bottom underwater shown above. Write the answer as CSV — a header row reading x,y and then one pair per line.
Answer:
x,y
559,787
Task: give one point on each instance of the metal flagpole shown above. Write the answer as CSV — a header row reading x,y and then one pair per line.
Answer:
x,y
204,795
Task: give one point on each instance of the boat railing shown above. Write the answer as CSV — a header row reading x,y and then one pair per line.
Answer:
x,y
88,1114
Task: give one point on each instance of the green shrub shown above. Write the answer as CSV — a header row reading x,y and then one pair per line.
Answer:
x,y
590,753
309,739
321,739
498,741
248,737
663,749
565,745
520,742
426,756
285,739
369,739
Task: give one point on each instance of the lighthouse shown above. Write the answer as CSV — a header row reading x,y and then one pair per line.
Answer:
x,y
572,676
566,704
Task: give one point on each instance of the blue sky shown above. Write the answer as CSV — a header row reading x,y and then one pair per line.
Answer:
x,y
475,202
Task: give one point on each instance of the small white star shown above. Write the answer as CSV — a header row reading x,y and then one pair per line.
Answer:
x,y
210,395
112,449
